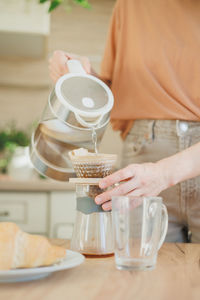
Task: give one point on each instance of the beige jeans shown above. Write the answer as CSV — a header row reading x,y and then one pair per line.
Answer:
x,y
152,140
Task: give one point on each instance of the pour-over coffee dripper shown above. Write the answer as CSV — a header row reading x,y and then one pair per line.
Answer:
x,y
92,234
92,165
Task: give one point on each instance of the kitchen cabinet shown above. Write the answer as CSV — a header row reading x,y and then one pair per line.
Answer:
x,y
28,210
41,206
26,33
62,214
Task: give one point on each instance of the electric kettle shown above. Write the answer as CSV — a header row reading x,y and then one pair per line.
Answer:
x,y
76,115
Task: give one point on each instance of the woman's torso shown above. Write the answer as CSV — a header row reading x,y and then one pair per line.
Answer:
x,y
152,58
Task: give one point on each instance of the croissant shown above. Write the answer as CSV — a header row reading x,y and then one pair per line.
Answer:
x,y
22,250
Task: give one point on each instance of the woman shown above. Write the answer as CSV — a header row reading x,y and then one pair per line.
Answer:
x,y
152,64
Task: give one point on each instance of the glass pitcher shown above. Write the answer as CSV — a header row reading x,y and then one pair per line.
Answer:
x,y
92,234
79,104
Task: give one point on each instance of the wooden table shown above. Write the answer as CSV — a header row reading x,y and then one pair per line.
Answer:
x,y
177,276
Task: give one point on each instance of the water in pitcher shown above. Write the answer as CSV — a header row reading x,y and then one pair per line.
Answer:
x,y
53,140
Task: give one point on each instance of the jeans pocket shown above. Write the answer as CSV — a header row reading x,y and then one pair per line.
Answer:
x,y
134,146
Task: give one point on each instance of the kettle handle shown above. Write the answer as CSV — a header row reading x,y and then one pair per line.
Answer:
x,y
88,124
75,66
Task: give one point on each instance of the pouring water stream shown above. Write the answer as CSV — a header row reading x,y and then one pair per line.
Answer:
x,y
94,139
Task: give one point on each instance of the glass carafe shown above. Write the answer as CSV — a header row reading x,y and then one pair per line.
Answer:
x,y
92,234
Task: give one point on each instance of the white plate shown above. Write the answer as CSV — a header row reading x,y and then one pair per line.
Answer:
x,y
71,260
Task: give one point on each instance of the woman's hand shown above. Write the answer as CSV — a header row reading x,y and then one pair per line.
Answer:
x,y
58,64
147,179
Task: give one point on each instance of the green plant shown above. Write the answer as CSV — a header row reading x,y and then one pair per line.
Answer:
x,y
55,3
10,138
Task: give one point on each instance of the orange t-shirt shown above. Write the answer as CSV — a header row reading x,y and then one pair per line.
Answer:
x,y
152,58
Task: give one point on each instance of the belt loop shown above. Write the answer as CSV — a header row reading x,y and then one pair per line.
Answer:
x,y
151,132
178,128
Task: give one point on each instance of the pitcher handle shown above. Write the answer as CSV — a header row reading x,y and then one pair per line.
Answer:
x,y
88,124
164,226
75,66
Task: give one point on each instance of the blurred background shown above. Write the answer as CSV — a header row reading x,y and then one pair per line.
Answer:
x,y
28,36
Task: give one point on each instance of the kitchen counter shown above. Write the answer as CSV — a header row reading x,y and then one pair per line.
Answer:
x,y
35,185
177,276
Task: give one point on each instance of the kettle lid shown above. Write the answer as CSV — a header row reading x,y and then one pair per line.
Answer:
x,y
83,94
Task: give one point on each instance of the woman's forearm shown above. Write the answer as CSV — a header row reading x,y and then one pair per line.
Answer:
x,y
182,166
150,179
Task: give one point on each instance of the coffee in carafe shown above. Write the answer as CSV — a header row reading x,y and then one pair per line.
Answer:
x,y
92,234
